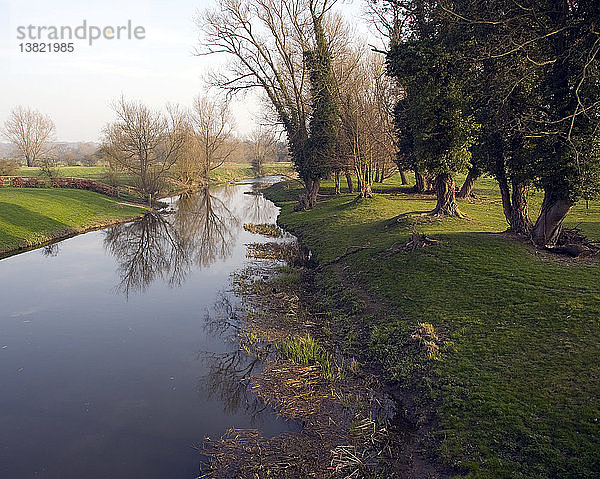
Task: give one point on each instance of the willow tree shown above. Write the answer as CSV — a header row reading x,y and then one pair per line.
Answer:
x,y
145,143
367,135
282,48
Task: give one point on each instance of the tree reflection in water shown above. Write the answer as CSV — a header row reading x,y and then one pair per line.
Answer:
x,y
206,225
166,247
228,373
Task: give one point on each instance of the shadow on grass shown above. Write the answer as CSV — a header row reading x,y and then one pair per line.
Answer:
x,y
30,220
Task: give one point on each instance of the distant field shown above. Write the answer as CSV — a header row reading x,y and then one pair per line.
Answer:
x,y
32,216
226,173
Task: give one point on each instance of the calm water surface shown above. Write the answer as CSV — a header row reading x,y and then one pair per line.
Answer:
x,y
113,361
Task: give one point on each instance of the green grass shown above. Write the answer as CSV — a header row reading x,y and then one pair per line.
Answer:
x,y
33,216
516,387
232,172
227,173
305,350
89,172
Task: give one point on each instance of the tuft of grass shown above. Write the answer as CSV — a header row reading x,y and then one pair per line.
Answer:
x,y
305,351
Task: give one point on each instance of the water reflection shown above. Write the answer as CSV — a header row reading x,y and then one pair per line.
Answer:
x,y
206,225
158,246
227,374
51,250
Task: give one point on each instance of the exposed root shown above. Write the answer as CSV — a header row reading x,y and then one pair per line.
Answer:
x,y
572,242
417,240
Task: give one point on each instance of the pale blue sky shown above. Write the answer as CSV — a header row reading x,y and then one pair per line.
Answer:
x,y
75,89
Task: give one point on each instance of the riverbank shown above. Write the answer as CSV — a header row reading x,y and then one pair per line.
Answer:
x,y
226,173
490,346
31,217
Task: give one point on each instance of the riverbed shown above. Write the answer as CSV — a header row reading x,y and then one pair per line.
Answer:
x,y
113,359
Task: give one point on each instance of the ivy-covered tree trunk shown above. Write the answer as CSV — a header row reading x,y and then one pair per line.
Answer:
x,y
349,180
467,187
549,224
421,182
308,199
446,196
323,125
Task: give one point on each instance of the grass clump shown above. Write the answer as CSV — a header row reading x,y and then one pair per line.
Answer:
x,y
264,229
305,351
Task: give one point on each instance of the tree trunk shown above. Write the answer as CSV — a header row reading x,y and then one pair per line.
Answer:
x,y
446,196
308,199
515,206
421,183
520,222
337,175
377,174
29,162
403,177
467,186
549,224
505,194
366,192
349,181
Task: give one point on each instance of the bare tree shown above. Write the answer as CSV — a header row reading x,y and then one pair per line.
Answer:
x,y
145,143
212,126
263,146
268,43
30,131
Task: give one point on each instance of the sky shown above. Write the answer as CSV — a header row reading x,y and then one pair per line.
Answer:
x,y
76,89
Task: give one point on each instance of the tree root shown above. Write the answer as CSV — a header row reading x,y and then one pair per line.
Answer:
x,y
417,240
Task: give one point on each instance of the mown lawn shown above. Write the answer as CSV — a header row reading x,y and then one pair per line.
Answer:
x,y
516,388
32,216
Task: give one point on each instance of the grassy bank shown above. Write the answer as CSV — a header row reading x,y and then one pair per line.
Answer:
x,y
33,216
232,172
515,385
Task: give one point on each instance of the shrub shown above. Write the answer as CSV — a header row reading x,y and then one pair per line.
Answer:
x,y
9,167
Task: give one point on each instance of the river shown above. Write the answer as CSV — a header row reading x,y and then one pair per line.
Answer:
x,y
112,362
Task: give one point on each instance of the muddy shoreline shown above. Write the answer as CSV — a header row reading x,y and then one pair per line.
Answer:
x,y
352,425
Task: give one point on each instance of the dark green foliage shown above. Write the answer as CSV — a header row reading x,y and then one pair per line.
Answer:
x,y
433,121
